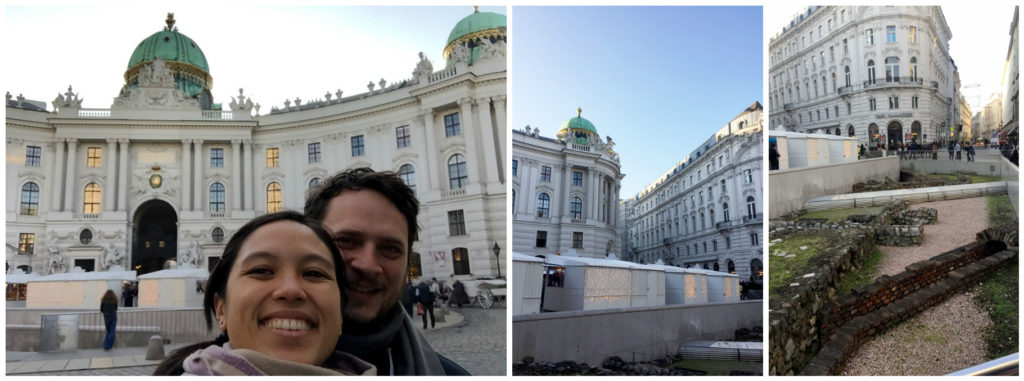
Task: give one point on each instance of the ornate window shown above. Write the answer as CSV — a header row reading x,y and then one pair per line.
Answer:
x,y
577,240
216,157
451,125
358,149
545,174
751,207
27,243
542,239
402,137
457,173
408,174
314,182
272,157
85,237
543,205
460,261
576,209
93,157
871,72
577,178
29,199
456,223
725,212
313,152
890,33
847,75
92,199
515,167
892,69
217,234
912,35
216,198
273,197
32,156
913,68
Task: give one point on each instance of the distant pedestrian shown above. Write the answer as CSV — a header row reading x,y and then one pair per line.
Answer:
x,y
126,294
459,296
426,298
903,150
970,152
957,149
108,306
950,149
773,158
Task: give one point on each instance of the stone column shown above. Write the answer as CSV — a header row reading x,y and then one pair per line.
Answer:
x,y
433,164
197,199
186,174
566,193
111,162
469,135
69,186
490,158
58,175
499,116
529,188
248,180
592,196
122,181
236,175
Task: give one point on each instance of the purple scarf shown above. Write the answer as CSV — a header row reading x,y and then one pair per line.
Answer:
x,y
218,360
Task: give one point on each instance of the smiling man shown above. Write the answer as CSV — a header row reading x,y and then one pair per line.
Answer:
x,y
372,218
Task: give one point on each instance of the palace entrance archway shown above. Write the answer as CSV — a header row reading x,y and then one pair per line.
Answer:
x,y
895,133
155,236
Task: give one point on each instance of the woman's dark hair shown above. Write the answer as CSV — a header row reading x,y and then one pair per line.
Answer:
x,y
386,183
109,297
216,284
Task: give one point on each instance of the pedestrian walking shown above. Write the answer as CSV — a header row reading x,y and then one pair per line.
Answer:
x,y
950,148
957,149
108,306
426,298
126,294
903,150
970,152
773,158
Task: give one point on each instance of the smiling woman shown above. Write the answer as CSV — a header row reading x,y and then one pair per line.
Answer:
x,y
276,297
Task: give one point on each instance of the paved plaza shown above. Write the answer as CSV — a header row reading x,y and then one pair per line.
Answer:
x,y
472,337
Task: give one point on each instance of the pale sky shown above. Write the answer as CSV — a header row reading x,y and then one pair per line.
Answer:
x,y
981,37
274,53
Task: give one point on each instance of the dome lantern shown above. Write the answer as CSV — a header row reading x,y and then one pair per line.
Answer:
x,y
183,57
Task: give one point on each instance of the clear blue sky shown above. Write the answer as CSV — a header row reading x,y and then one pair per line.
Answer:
x,y
658,80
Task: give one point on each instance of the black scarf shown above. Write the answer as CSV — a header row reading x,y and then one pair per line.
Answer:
x,y
391,343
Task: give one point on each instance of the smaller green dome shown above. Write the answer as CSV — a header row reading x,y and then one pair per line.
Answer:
x,y
476,22
578,123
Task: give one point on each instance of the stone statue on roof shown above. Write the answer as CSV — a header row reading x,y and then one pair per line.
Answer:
x,y
460,53
423,67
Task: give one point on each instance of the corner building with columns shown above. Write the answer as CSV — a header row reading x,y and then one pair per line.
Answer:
x,y
880,74
565,191
166,175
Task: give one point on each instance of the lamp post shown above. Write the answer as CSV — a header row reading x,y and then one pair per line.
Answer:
x,y
497,249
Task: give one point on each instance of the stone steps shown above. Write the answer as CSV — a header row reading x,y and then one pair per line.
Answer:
x,y
847,339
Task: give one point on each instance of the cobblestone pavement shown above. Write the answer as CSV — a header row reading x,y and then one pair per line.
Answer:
x,y
129,371
478,343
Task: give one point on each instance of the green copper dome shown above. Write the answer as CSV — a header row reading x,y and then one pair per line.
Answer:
x,y
577,130
476,22
182,55
578,123
471,32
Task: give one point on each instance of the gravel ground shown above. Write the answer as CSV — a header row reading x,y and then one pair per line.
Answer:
x,y
941,340
959,221
947,337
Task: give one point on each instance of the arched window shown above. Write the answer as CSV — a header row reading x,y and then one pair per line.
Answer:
x,y
751,207
838,132
273,197
408,174
29,199
460,261
85,237
756,269
730,267
849,130
314,182
703,222
847,76
216,198
543,205
871,72
92,199
457,174
711,216
725,212
576,209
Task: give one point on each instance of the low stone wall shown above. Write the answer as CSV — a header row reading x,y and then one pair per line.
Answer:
x,y
919,216
25,337
1011,174
790,188
793,309
899,235
635,334
871,309
919,180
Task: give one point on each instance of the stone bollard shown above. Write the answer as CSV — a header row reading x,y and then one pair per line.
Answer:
x,y
439,312
155,350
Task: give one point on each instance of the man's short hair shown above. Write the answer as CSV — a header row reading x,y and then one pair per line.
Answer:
x,y
386,183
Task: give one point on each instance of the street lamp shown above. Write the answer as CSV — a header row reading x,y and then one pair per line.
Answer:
x,y
497,249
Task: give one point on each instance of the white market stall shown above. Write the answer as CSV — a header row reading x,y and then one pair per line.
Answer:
x,y
577,283
648,286
685,286
528,283
723,287
76,289
173,288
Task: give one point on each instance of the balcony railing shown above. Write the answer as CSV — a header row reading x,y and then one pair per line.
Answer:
x,y
94,113
441,75
218,215
754,218
87,216
453,193
723,224
845,90
897,81
217,114
787,107
581,147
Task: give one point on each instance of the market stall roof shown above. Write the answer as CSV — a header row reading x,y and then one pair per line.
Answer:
x,y
176,273
526,258
20,278
90,275
562,260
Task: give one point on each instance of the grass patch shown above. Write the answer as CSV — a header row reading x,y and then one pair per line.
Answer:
x,y
788,260
975,179
1000,210
864,275
998,295
837,215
